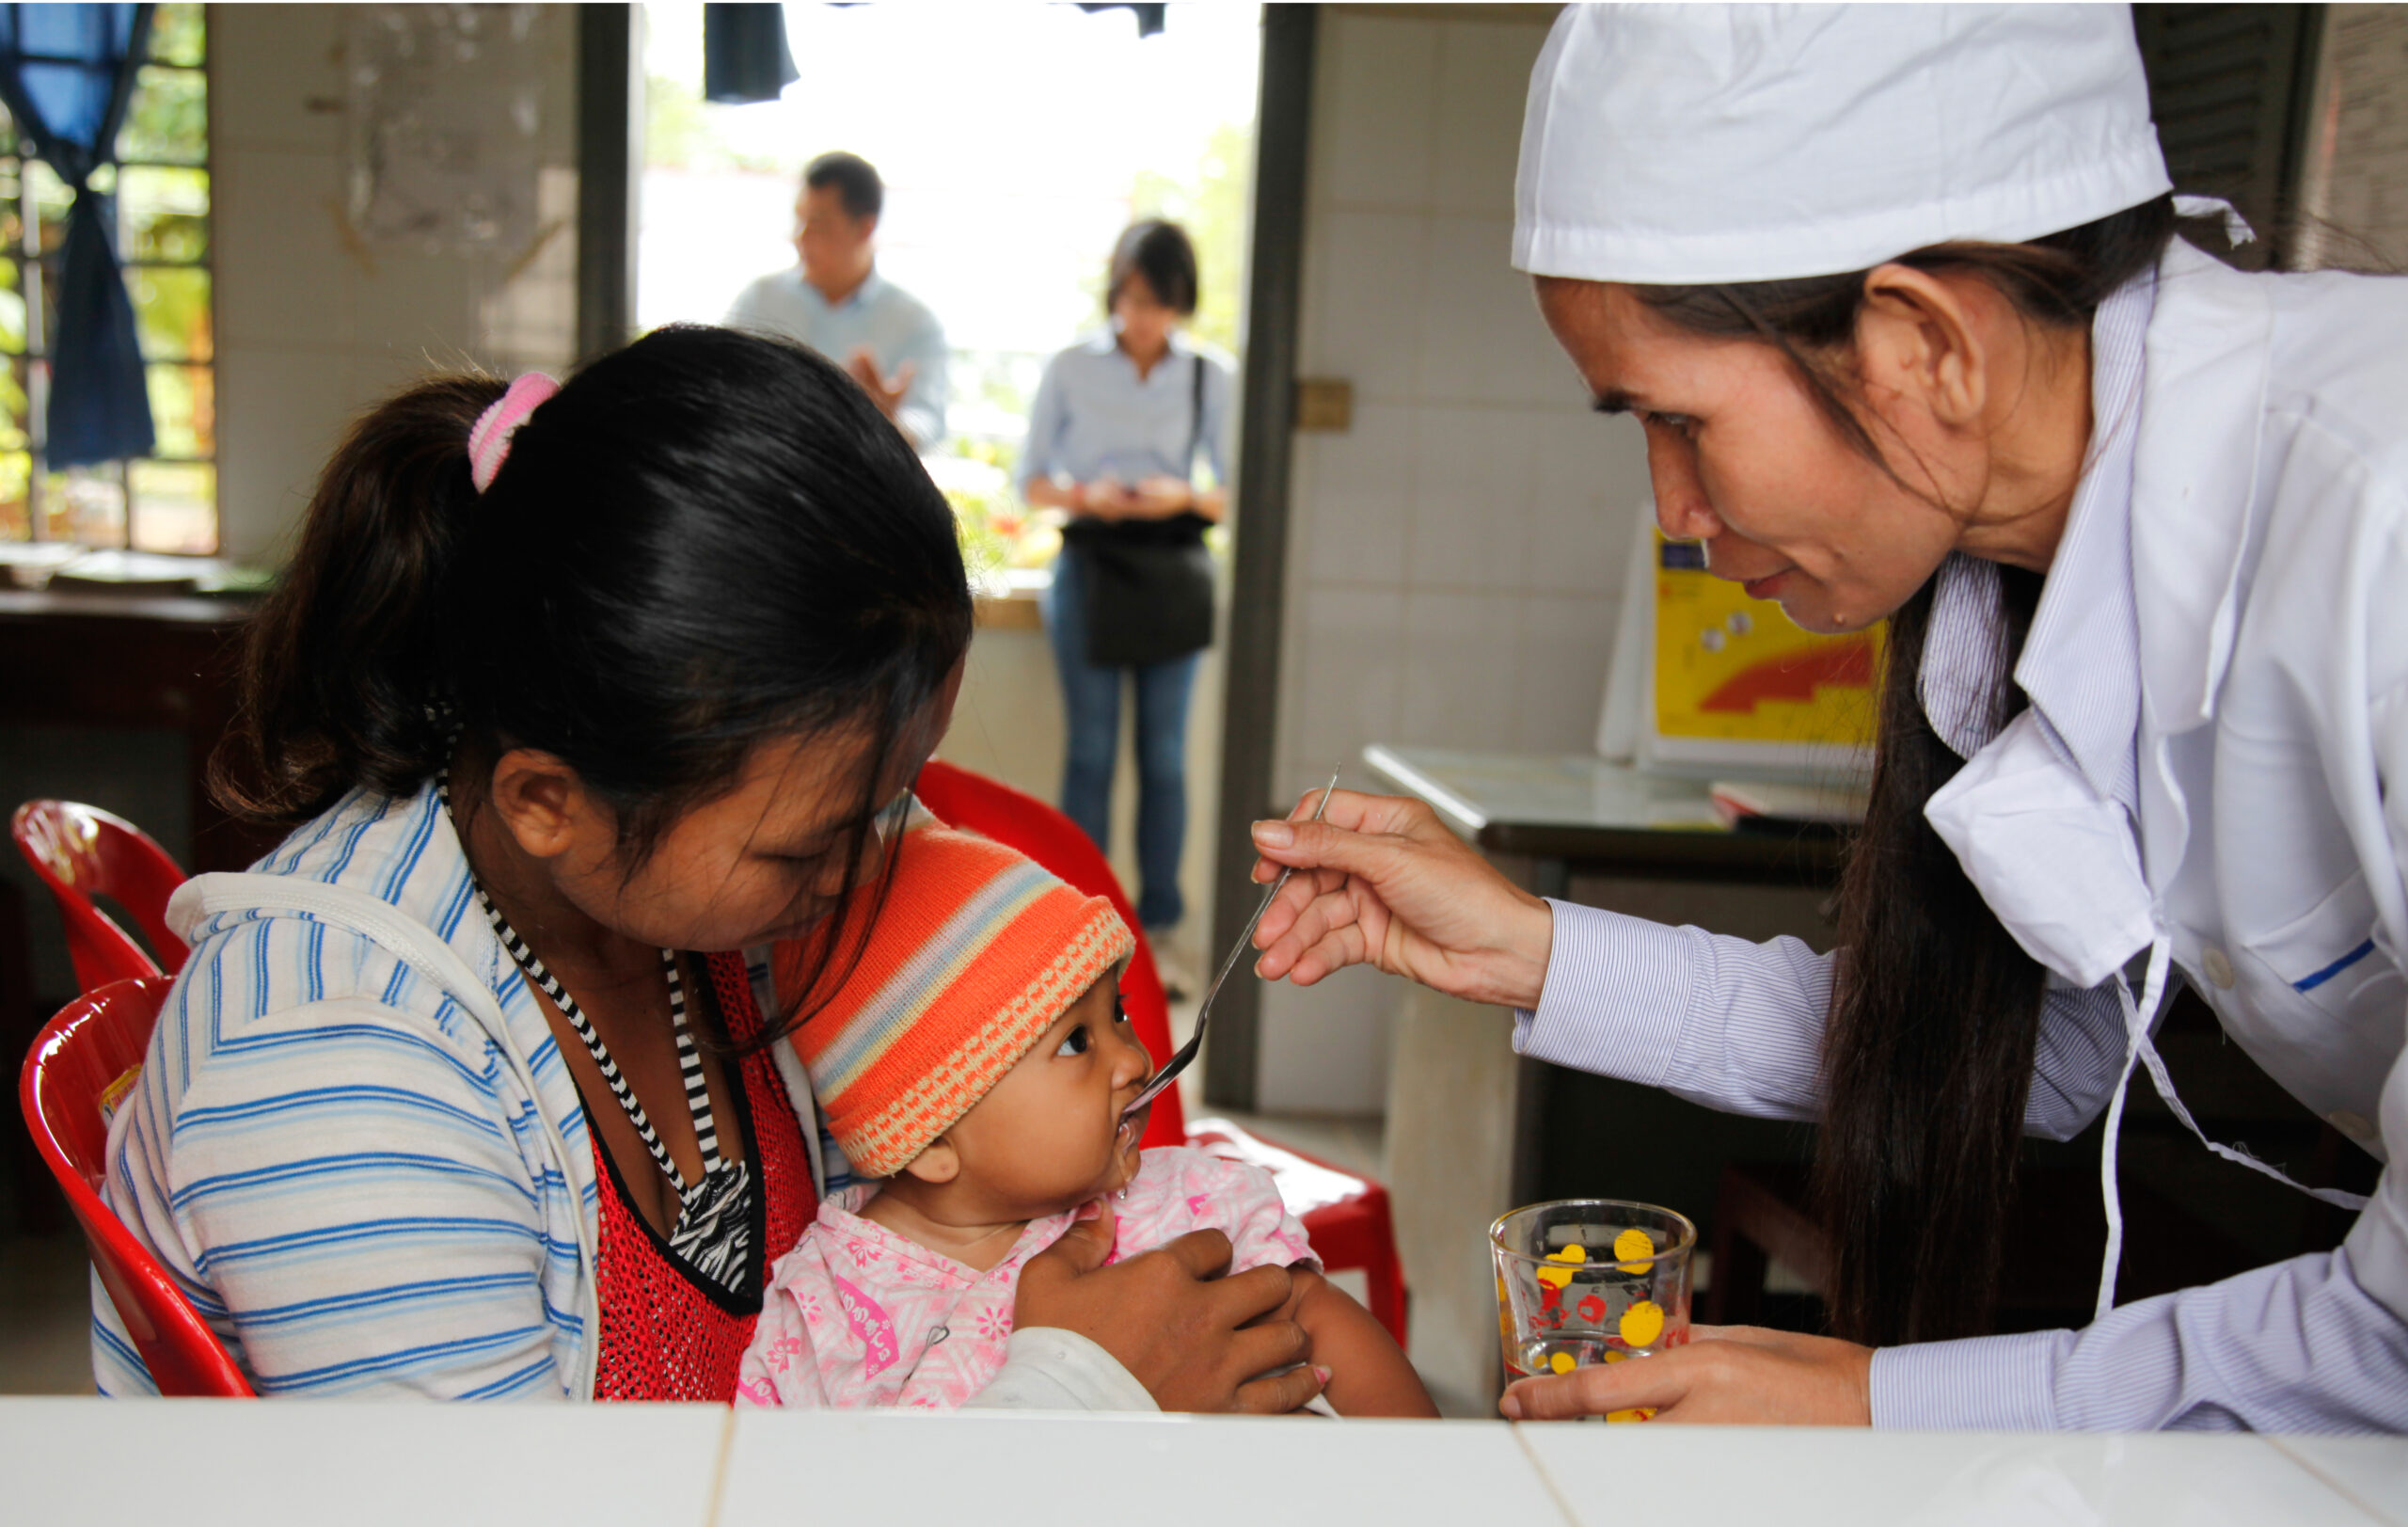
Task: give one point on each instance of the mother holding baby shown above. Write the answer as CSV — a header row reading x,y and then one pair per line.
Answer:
x,y
562,684
1896,294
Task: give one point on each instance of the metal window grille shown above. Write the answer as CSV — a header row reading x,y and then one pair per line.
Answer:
x,y
160,187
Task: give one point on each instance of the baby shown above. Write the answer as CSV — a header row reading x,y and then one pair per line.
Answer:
x,y
976,1063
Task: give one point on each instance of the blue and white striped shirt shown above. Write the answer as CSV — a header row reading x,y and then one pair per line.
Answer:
x,y
338,1164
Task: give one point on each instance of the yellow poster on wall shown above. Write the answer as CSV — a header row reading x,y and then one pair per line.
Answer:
x,y
1735,679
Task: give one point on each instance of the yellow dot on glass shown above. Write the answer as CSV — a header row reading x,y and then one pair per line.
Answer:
x,y
1617,1356
1644,1412
1632,1248
1558,1274
1562,1362
1642,1323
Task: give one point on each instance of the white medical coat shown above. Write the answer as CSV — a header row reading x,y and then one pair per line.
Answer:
x,y
2270,567
2269,525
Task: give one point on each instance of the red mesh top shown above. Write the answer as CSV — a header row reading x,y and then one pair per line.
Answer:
x,y
669,1333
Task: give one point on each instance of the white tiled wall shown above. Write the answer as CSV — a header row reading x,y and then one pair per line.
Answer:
x,y
1456,560
314,326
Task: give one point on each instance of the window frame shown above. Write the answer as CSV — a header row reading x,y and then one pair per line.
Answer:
x,y
36,274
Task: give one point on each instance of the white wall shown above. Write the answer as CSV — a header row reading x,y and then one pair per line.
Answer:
x,y
313,325
1456,560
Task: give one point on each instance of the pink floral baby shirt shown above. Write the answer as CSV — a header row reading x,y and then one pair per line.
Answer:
x,y
855,1315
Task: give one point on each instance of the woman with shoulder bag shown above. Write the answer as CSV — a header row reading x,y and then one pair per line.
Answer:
x,y
1113,441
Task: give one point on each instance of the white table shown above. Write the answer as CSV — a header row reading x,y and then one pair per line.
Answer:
x,y
258,1465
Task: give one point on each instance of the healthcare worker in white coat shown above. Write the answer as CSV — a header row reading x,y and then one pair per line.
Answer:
x,y
1897,296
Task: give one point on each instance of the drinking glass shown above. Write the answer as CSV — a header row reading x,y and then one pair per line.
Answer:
x,y
1591,1280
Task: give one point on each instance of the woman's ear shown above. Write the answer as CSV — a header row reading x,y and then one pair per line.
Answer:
x,y
937,1165
1922,341
541,801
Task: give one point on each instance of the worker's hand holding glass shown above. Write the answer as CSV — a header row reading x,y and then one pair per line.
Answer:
x,y
1731,1375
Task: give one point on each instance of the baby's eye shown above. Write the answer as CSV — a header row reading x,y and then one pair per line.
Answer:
x,y
1075,1042
1119,1011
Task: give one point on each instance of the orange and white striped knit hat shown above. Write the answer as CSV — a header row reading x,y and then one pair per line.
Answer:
x,y
975,953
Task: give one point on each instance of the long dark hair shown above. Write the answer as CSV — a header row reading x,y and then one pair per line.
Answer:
x,y
1161,254
706,540
1928,1052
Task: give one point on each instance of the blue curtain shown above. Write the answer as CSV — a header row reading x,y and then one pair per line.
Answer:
x,y
66,74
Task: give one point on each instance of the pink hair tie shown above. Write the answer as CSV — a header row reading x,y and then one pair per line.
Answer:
x,y
489,441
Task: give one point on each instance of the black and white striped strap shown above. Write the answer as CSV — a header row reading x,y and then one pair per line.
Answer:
x,y
714,1227
532,964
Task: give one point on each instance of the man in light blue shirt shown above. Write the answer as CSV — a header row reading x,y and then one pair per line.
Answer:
x,y
835,302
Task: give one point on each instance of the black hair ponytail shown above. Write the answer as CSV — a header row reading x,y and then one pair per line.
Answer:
x,y
1935,1017
702,542
343,678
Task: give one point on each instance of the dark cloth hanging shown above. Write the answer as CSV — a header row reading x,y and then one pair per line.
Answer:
x,y
744,52
67,72
1149,18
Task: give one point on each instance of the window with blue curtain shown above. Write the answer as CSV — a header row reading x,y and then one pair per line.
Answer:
x,y
158,193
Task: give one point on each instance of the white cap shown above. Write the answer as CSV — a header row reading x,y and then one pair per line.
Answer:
x,y
1692,144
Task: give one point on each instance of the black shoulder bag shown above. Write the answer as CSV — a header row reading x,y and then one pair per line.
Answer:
x,y
1150,582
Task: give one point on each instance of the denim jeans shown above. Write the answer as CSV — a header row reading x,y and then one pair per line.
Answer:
x,y
1091,708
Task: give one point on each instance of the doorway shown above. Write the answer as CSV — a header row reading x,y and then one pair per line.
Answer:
x,y
1015,141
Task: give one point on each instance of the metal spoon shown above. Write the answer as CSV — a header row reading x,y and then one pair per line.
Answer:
x,y
1186,1055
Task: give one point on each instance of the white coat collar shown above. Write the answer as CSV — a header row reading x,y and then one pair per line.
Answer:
x,y
2195,479
2081,663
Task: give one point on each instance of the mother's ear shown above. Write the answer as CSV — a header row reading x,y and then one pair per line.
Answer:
x,y
542,802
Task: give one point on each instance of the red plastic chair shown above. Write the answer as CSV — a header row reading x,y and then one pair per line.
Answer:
x,y
70,1078
82,852
1347,1215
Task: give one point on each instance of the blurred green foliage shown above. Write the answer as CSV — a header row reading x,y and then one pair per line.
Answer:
x,y
183,410
178,36
167,119
12,408
171,312
163,213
